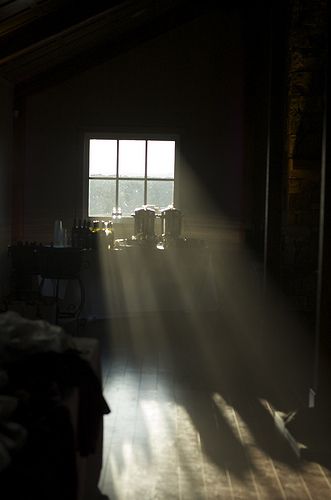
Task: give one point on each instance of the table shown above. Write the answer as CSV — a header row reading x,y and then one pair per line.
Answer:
x,y
136,279
127,280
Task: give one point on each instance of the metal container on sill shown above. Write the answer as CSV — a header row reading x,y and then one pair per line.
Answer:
x,y
144,223
171,222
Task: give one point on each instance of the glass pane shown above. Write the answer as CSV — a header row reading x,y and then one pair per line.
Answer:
x,y
131,160
161,159
160,193
102,197
130,196
102,158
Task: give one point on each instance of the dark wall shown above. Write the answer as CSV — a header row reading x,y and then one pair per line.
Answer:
x,y
188,81
6,146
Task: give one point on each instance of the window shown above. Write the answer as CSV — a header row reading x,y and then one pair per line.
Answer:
x,y
124,174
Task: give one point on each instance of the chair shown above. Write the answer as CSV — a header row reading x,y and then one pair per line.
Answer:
x,y
62,264
24,272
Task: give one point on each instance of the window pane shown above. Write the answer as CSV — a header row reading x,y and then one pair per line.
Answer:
x,y
160,193
102,194
130,196
102,160
161,159
131,161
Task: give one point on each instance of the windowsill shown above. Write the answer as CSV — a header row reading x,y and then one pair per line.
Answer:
x,y
208,228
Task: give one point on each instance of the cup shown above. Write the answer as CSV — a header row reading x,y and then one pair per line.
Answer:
x,y
58,233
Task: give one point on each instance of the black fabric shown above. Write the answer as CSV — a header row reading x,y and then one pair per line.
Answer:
x,y
47,375
45,468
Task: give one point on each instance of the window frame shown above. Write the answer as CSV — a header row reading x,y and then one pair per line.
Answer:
x,y
128,136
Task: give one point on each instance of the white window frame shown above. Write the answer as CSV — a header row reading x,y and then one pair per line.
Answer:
x,y
128,136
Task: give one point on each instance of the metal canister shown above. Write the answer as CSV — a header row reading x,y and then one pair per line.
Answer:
x,y
171,222
144,222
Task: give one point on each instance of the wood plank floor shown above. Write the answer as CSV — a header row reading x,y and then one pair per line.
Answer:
x,y
189,396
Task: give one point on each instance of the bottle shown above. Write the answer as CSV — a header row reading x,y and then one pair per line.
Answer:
x,y
82,235
79,229
88,234
94,234
103,234
110,236
74,234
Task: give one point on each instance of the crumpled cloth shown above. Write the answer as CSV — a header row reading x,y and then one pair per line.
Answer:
x,y
20,336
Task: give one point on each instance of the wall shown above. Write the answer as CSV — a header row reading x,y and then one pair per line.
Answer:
x,y
307,63
6,145
188,81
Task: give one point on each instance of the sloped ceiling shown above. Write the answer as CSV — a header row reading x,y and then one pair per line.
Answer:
x,y
44,41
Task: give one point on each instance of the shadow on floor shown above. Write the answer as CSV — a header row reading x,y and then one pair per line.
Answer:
x,y
206,355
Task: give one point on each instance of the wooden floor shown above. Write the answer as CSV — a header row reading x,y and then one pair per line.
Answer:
x,y
190,396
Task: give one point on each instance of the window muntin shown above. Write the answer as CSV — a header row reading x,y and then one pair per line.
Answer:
x,y
129,173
